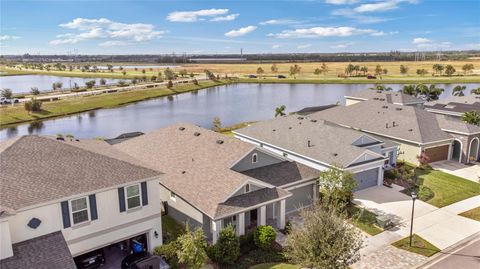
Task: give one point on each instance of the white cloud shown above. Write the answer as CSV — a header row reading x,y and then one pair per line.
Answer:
x,y
214,14
304,46
377,7
91,29
341,2
342,45
8,37
421,40
278,22
326,32
241,32
275,46
230,17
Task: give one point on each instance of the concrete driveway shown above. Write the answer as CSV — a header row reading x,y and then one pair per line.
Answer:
x,y
440,226
470,172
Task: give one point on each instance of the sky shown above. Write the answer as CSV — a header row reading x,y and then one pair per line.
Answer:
x,y
212,27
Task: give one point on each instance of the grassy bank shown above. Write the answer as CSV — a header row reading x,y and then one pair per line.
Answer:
x,y
10,115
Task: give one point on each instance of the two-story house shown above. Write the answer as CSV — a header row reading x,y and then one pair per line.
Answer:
x,y
60,199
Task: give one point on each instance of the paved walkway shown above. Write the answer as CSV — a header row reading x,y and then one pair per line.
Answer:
x,y
470,172
389,257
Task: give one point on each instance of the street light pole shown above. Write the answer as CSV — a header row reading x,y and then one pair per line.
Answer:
x,y
414,197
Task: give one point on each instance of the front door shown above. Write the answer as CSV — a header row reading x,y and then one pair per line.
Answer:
x,y
253,217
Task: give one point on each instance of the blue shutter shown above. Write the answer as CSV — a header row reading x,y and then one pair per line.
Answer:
x,y
65,214
143,185
93,206
121,198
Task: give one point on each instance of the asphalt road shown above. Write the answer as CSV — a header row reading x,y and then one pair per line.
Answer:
x,y
465,256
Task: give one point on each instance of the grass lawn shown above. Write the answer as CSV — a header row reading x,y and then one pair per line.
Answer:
x,y
275,266
171,228
447,188
364,220
472,214
17,114
419,246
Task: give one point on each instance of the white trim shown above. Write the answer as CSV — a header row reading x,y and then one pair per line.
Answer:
x,y
298,181
139,196
173,196
71,211
461,149
299,186
470,148
252,181
457,132
439,145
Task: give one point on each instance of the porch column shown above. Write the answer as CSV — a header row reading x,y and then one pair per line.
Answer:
x,y
281,215
449,157
380,176
241,224
216,227
263,215
315,193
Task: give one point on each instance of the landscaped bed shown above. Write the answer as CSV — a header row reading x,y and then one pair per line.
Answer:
x,y
419,246
472,214
364,220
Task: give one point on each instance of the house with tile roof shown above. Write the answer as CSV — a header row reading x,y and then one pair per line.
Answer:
x,y
60,199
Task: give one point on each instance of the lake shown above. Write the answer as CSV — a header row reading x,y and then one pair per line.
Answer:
x,y
24,83
232,103
138,66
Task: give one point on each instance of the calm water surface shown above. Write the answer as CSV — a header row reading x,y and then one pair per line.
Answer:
x,y
232,103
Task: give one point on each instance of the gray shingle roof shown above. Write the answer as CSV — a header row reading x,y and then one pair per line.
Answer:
x,y
456,104
250,199
386,96
197,168
329,142
44,252
283,173
411,123
449,123
39,169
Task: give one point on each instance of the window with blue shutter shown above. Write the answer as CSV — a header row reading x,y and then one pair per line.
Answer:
x,y
121,199
65,214
93,206
144,193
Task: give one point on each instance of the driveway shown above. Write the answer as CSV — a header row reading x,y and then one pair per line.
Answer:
x,y
470,172
440,226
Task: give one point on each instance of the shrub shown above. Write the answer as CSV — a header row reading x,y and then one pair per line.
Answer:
x,y
390,174
425,193
170,84
227,248
264,236
246,242
288,228
35,91
169,251
33,105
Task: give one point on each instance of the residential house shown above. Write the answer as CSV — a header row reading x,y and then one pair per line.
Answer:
x,y
455,105
321,144
60,199
396,98
212,180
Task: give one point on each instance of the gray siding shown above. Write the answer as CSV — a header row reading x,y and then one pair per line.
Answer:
x,y
252,188
367,179
184,219
263,159
302,197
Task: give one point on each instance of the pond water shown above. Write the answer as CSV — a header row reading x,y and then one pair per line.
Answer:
x,y
138,66
24,83
232,103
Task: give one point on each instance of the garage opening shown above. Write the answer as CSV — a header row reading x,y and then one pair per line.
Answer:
x,y
366,179
111,256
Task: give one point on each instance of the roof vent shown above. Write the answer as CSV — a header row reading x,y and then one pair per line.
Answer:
x,y
183,172
219,142
398,108
34,223
273,130
290,127
376,98
181,128
309,143
196,134
300,118
335,154
410,130
299,122
395,124
386,125
313,120
385,107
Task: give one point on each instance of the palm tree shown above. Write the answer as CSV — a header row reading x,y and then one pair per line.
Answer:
x,y
471,117
381,88
410,90
280,111
475,91
458,90
429,93
364,69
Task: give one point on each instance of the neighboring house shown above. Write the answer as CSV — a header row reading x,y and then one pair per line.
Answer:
x,y
321,144
396,98
65,198
212,180
454,105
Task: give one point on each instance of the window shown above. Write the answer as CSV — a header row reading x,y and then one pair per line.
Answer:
x,y
247,188
173,196
133,196
254,158
79,209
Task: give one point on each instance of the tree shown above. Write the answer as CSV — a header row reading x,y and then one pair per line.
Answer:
x,y
33,105
110,67
429,93
475,91
294,70
7,93
317,71
227,248
209,74
143,71
422,72
153,78
260,71
336,188
349,69
274,68
124,72
192,246
410,90
325,240
280,111
183,73
450,70
467,68
364,70
378,70
57,86
90,84
34,91
471,117
169,74
403,69
438,68
385,71
382,88
324,68
103,81
216,124
459,90
170,84
264,236
195,81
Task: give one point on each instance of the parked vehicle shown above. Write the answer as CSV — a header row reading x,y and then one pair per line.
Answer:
x,y
252,76
371,77
281,76
5,101
145,260
90,260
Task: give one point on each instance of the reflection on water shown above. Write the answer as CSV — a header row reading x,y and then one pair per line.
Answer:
x,y
35,127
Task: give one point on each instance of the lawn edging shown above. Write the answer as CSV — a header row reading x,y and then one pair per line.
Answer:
x,y
419,246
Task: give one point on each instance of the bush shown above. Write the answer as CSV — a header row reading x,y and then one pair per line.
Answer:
x,y
425,193
288,228
258,256
246,242
390,174
227,248
33,105
264,236
169,251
